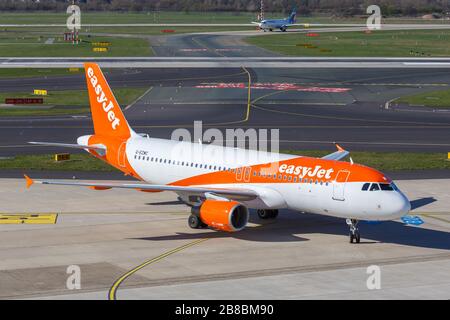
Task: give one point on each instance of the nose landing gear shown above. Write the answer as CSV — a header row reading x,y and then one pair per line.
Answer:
x,y
354,231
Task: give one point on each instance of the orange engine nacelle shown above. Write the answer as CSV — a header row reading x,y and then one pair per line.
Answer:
x,y
228,216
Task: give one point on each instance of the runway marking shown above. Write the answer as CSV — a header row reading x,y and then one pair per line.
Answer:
x,y
349,83
337,104
373,143
207,48
249,96
426,63
199,78
135,101
40,218
342,118
224,124
194,50
272,86
112,294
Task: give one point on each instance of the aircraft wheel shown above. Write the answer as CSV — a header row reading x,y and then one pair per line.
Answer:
x,y
194,222
354,231
263,214
357,237
267,214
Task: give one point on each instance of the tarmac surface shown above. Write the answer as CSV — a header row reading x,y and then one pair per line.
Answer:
x,y
298,256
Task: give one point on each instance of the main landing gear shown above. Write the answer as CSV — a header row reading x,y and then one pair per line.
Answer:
x,y
267,214
354,232
195,222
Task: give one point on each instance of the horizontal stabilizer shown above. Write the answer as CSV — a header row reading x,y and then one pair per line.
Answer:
x,y
68,145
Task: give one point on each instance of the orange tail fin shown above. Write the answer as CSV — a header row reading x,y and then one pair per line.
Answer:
x,y
106,113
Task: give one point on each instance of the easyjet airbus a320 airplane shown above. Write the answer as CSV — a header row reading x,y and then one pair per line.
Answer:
x,y
222,183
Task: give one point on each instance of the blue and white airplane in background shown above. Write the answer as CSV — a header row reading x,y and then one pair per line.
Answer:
x,y
281,24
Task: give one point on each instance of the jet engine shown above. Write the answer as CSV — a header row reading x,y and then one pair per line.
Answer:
x,y
227,216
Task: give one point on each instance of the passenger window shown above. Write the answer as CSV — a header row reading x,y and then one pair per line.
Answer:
x,y
365,187
290,178
374,187
295,179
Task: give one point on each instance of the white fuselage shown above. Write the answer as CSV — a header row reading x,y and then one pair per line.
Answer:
x,y
159,161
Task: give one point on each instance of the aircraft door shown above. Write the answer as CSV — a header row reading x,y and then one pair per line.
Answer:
x,y
339,185
121,154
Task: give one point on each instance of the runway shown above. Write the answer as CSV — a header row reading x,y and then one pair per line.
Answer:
x,y
228,62
298,256
312,108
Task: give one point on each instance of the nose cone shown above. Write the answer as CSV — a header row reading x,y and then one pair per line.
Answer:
x,y
398,205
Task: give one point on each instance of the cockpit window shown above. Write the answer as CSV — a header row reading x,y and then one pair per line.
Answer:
x,y
365,187
386,187
374,187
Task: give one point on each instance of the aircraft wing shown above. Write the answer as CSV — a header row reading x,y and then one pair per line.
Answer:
x,y
338,155
68,145
231,193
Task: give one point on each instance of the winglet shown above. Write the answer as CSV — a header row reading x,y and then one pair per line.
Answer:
x,y
339,147
29,181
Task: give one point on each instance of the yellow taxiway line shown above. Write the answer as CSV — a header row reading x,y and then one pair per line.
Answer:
x,y
38,218
118,282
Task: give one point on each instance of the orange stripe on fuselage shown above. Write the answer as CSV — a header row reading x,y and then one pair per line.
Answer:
x,y
301,167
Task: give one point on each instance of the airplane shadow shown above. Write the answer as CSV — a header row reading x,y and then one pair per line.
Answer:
x,y
418,203
292,226
165,203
